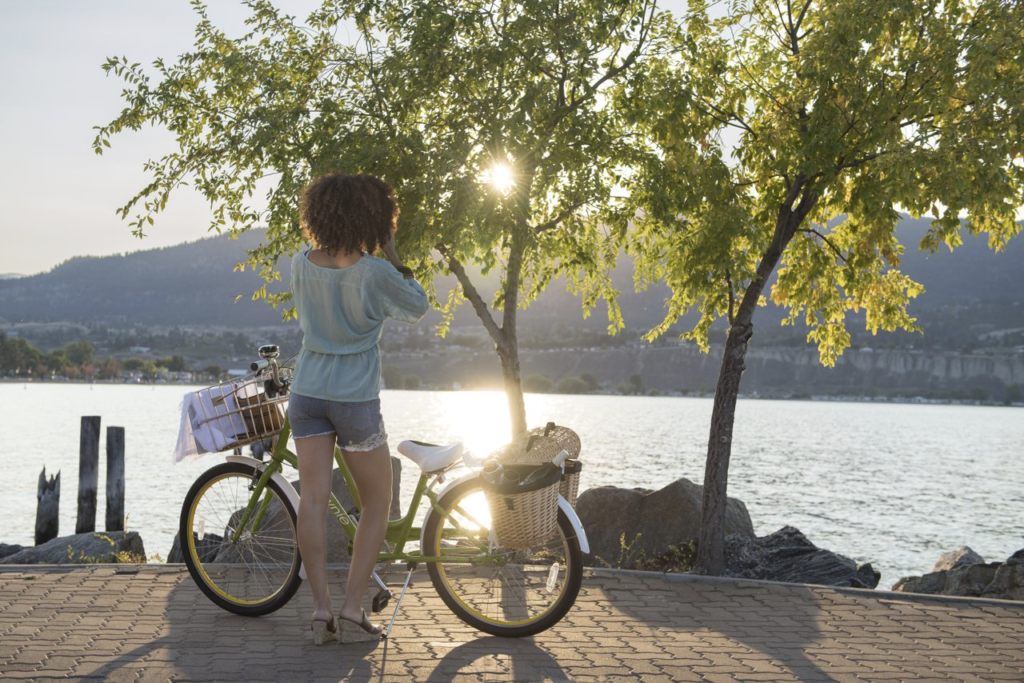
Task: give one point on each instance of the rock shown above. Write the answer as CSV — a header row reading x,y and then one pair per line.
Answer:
x,y
1008,583
967,581
337,539
967,574
931,583
787,555
954,559
7,549
971,580
207,548
100,547
650,521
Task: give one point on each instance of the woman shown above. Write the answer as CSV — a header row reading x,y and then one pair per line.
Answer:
x,y
342,297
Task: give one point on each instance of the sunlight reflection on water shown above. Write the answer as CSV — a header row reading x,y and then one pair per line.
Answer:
x,y
894,485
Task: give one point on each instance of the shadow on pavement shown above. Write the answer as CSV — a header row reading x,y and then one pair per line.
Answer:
x,y
712,621
517,659
199,641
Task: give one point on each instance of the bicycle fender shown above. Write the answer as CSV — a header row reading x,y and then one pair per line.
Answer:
x,y
577,525
563,504
286,486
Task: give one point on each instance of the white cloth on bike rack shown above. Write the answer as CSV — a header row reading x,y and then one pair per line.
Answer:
x,y
211,421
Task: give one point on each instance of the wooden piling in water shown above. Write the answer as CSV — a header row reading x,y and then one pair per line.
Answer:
x,y
88,474
47,507
115,478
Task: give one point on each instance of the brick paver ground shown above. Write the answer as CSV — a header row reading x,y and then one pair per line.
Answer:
x,y
151,623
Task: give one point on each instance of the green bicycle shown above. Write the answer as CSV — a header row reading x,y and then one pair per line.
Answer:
x,y
239,540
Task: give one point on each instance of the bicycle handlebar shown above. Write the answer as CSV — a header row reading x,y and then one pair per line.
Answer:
x,y
268,359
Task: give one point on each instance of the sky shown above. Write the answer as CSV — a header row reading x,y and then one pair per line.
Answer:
x,y
58,198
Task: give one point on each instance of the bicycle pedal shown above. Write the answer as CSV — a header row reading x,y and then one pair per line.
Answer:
x,y
381,600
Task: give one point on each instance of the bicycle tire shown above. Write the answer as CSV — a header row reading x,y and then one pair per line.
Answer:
x,y
256,575
513,599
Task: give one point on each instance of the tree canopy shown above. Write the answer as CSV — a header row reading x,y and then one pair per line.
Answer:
x,y
489,119
789,135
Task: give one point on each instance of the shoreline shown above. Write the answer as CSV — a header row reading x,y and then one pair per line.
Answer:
x,y
830,398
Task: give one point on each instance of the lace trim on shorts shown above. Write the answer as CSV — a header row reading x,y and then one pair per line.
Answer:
x,y
375,441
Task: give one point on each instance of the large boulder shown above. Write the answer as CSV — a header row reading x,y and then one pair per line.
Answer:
x,y
787,555
337,539
648,522
965,573
100,547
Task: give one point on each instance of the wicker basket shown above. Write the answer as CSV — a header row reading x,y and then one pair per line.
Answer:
x,y
569,485
539,446
237,412
521,518
524,516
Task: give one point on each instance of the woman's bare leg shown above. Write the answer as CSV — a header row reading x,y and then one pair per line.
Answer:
x,y
371,471
316,461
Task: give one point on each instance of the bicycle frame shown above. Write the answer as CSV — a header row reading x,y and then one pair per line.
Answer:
x,y
399,532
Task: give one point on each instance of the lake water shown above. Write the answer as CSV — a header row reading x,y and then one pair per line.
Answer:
x,y
894,485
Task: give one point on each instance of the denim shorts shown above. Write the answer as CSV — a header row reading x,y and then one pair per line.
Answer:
x,y
358,426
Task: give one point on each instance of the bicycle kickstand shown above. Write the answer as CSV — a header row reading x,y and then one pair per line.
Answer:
x,y
382,598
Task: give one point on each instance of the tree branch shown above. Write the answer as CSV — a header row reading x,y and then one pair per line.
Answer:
x,y
473,296
732,297
554,222
826,240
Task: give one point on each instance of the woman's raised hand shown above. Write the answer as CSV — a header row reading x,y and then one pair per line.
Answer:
x,y
389,251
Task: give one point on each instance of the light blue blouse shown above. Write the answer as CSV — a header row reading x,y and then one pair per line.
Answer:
x,y
341,313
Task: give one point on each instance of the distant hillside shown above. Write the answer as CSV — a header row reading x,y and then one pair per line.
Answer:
x,y
188,284
969,292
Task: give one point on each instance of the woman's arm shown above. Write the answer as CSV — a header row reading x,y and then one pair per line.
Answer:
x,y
392,256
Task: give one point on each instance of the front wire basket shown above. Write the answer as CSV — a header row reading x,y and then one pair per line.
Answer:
x,y
240,411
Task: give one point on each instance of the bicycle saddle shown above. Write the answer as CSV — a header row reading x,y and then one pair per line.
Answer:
x,y
431,457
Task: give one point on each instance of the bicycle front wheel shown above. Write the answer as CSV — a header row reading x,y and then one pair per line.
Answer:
x,y
246,566
504,592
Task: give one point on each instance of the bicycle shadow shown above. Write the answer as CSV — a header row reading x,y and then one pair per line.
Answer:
x,y
698,619
493,658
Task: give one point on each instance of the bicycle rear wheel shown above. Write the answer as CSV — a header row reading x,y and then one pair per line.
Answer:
x,y
511,593
252,570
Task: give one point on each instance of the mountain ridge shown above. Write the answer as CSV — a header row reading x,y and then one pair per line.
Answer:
x,y
194,284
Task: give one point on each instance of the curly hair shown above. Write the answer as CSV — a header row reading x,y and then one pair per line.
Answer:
x,y
347,213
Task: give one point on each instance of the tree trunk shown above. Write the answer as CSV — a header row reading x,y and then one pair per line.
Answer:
x,y
711,544
509,351
505,338
513,387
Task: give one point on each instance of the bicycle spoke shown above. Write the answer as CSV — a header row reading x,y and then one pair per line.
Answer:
x,y
508,591
250,564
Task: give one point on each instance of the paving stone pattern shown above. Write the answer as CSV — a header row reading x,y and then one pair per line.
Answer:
x,y
151,623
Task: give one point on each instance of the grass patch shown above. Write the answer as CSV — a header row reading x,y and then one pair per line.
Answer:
x,y
676,560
